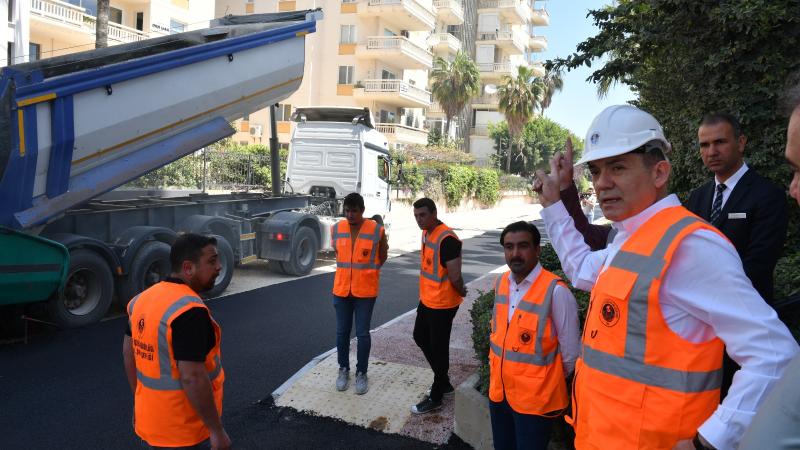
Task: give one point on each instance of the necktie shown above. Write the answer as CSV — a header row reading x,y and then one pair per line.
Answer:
x,y
716,208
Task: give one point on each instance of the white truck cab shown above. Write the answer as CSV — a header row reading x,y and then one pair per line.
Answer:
x,y
335,151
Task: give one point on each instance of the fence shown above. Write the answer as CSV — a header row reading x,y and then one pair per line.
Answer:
x,y
212,169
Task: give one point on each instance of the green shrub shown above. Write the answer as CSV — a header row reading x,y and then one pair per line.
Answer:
x,y
459,181
513,183
481,317
487,186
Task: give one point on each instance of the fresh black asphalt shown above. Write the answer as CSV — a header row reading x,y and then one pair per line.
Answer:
x,y
67,389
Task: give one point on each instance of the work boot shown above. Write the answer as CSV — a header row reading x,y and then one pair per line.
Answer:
x,y
425,406
361,383
343,380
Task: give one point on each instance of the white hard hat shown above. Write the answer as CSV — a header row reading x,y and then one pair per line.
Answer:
x,y
620,129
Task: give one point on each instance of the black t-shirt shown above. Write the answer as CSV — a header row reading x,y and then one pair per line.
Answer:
x,y
449,249
192,333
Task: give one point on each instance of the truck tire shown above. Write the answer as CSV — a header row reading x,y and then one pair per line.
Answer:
x,y
226,272
87,293
276,266
304,252
150,265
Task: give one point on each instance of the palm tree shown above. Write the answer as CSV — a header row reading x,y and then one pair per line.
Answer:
x,y
454,84
101,25
552,83
518,98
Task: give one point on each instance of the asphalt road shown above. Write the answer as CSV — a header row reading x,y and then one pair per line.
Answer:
x,y
67,389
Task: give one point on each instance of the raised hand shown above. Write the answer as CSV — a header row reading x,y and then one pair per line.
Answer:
x,y
550,183
566,165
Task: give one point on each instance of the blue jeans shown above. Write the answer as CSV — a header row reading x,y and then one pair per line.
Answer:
x,y
346,307
514,431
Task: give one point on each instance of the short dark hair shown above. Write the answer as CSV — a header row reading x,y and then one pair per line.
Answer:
x,y
425,202
652,152
790,99
720,117
522,226
354,200
188,247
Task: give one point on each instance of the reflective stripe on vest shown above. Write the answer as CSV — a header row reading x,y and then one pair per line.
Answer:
x,y
542,311
632,365
435,247
375,238
165,382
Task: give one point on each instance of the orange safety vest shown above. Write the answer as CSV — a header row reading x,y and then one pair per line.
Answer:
x,y
525,364
163,415
638,385
357,266
435,289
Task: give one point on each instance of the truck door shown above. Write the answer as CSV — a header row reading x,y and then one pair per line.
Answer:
x,y
374,183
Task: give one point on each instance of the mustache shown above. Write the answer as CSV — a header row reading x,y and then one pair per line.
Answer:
x,y
516,260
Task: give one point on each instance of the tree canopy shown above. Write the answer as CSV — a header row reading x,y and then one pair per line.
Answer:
x,y
539,140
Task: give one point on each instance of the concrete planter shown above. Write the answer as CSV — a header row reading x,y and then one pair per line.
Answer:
x,y
472,422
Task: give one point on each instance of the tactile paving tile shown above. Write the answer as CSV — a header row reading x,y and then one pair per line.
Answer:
x,y
393,388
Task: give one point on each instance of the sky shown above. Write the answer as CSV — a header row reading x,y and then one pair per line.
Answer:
x,y
577,104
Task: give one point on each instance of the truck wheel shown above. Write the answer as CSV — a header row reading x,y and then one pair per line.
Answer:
x,y
87,292
304,252
150,265
226,272
276,266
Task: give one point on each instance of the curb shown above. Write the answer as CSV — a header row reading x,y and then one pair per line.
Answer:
x,y
317,359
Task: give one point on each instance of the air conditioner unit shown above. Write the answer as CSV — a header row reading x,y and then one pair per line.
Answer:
x,y
256,130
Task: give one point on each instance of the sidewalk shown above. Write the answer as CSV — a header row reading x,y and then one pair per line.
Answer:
x,y
399,377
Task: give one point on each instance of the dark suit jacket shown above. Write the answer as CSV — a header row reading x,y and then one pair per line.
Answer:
x,y
759,232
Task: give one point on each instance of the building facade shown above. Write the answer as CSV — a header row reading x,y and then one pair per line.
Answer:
x,y
38,29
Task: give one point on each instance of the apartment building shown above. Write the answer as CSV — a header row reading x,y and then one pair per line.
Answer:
x,y
365,53
37,29
506,38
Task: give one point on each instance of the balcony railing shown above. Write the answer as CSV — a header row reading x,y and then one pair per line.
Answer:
x,y
517,39
401,133
515,10
450,11
503,68
402,44
422,13
540,17
76,16
486,99
399,87
538,42
452,42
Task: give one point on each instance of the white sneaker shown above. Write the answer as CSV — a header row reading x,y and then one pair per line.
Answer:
x,y
361,383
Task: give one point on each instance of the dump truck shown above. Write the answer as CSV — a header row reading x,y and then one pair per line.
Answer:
x,y
78,126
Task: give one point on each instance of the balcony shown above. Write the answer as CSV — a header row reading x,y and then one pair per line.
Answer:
x,y
538,69
449,12
435,111
444,43
486,101
540,17
393,92
70,19
495,71
409,15
514,11
513,42
397,50
401,134
537,43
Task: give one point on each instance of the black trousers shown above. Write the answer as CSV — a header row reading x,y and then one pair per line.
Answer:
x,y
432,335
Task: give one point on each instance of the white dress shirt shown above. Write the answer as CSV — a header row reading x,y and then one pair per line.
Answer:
x,y
730,183
564,315
704,293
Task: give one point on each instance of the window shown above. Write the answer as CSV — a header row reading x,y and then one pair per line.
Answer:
x,y
176,26
283,113
115,15
387,116
140,21
346,74
347,34
386,75
10,53
11,5
383,169
34,52
246,117
388,32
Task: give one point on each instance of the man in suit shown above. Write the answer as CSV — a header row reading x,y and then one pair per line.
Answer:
x,y
749,209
